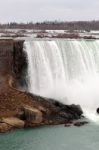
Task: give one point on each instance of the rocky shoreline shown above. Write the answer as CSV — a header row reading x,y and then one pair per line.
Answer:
x,y
20,109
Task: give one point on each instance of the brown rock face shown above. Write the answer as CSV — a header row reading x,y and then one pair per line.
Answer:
x,y
12,60
19,62
6,56
5,127
32,115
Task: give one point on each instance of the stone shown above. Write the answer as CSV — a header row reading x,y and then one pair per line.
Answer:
x,y
67,125
81,123
5,127
97,110
14,122
32,115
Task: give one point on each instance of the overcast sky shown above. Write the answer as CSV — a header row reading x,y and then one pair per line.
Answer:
x,y
41,10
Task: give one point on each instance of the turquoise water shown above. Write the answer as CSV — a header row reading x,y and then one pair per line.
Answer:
x,y
52,138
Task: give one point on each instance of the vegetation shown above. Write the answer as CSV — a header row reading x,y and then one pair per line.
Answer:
x,y
55,25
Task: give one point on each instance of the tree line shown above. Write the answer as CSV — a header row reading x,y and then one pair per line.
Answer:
x,y
54,25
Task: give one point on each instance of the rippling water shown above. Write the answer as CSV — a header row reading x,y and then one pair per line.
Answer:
x,y
52,138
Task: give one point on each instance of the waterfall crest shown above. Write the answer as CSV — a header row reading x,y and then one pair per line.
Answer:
x,y
67,70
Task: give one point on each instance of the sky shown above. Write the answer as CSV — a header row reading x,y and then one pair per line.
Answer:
x,y
48,10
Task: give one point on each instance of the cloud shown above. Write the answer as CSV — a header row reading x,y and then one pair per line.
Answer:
x,y
40,10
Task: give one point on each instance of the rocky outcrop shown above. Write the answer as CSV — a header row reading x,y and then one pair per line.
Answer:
x,y
76,123
97,110
13,61
14,122
80,123
68,35
19,63
27,110
5,127
6,56
8,124
32,115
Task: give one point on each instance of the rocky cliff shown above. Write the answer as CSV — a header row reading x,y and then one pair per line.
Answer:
x,y
13,60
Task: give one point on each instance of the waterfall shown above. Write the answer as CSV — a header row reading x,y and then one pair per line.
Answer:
x,y
67,70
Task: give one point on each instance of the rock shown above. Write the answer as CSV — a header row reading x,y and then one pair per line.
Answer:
x,y
5,127
76,109
67,125
32,115
67,35
79,124
70,112
97,110
14,122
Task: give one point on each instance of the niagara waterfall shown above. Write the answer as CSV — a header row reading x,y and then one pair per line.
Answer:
x,y
66,70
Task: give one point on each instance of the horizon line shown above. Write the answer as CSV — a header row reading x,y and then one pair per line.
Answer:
x,y
48,21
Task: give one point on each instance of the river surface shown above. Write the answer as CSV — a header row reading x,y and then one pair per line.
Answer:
x,y
52,138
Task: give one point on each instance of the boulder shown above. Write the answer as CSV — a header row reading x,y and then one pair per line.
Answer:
x,y
32,115
76,111
67,125
97,110
70,112
14,122
5,127
80,123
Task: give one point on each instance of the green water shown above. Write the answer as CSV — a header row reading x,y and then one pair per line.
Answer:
x,y
52,138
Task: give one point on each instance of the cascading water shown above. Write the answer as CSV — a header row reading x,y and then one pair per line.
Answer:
x,y
67,70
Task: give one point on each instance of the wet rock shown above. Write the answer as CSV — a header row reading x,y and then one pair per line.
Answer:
x,y
70,112
67,125
79,124
97,110
75,109
63,113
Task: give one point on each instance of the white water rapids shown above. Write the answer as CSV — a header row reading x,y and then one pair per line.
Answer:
x,y
67,70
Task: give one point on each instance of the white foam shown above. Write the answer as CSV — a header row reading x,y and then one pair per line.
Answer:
x,y
67,71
